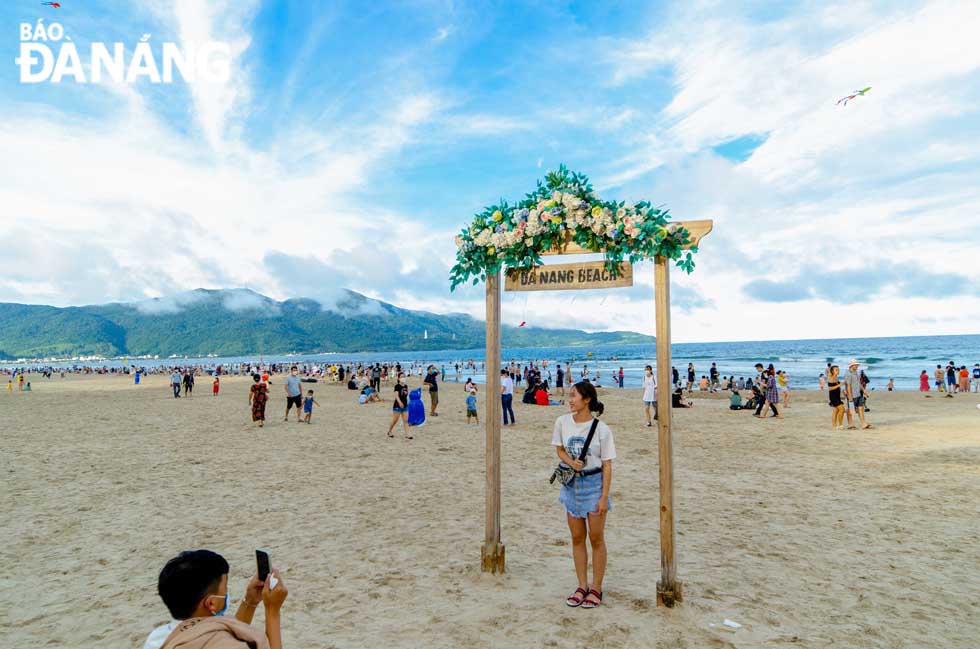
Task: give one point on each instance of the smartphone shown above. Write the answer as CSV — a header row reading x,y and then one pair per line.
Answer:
x,y
262,561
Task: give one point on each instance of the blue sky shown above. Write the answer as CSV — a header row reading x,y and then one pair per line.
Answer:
x,y
353,140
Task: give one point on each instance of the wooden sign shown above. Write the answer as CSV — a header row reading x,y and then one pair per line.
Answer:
x,y
569,277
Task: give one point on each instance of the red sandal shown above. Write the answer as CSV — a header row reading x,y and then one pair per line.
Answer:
x,y
588,603
575,599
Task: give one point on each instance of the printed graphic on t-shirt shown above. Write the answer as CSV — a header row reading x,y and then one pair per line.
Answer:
x,y
574,446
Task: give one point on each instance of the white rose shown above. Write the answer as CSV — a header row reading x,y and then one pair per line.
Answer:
x,y
556,196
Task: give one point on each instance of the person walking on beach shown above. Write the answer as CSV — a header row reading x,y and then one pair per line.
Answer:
x,y
559,380
964,379
783,380
621,377
650,393
713,378
834,385
399,406
772,394
690,378
924,381
940,377
308,404
294,393
431,380
976,377
175,383
507,396
951,384
855,393
188,382
586,497
258,395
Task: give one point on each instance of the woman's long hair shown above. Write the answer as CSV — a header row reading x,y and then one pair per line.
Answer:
x,y
587,391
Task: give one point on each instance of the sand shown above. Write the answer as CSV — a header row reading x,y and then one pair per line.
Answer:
x,y
807,537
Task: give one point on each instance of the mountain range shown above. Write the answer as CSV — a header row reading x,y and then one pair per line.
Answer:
x,y
237,322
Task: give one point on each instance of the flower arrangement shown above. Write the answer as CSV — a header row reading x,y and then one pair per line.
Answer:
x,y
565,207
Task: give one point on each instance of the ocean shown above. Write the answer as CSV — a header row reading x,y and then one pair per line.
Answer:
x,y
898,358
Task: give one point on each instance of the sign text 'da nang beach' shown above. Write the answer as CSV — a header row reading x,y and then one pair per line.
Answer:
x,y
564,277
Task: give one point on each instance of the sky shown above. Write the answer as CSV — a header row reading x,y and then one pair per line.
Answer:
x,y
352,141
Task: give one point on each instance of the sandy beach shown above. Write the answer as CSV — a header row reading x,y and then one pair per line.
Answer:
x,y
807,537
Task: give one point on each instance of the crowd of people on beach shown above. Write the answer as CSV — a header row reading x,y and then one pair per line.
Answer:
x,y
194,585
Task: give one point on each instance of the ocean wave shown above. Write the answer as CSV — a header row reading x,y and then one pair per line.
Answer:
x,y
871,360
910,358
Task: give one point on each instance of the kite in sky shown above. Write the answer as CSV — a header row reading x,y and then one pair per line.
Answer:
x,y
56,5
521,325
857,93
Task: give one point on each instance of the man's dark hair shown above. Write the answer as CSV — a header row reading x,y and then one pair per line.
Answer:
x,y
187,578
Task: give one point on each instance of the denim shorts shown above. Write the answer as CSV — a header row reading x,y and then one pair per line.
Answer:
x,y
649,403
581,496
396,409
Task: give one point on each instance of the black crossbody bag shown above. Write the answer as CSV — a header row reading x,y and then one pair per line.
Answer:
x,y
564,473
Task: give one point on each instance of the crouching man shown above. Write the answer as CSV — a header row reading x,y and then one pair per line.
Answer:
x,y
194,586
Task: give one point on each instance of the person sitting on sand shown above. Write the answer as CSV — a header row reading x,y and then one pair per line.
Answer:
x,y
470,387
194,587
677,399
586,498
735,401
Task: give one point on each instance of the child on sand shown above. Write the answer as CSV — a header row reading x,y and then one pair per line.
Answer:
x,y
214,387
10,385
471,411
308,404
924,381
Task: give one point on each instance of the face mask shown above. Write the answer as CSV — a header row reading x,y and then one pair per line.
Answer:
x,y
224,608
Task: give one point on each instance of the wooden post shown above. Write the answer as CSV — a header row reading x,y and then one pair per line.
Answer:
x,y
668,588
493,550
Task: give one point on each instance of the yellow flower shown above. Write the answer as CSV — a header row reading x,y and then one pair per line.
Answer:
x,y
549,204
596,211
491,250
556,219
498,216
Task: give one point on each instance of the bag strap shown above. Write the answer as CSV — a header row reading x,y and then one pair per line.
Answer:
x,y
588,440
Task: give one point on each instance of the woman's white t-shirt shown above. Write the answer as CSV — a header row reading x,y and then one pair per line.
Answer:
x,y
649,387
571,435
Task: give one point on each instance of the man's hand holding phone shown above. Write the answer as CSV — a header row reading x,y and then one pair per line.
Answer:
x,y
274,592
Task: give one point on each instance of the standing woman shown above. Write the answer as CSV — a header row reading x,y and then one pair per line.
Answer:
x,y
837,419
650,394
399,407
257,397
586,497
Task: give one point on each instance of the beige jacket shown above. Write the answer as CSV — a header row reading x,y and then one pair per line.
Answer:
x,y
215,633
